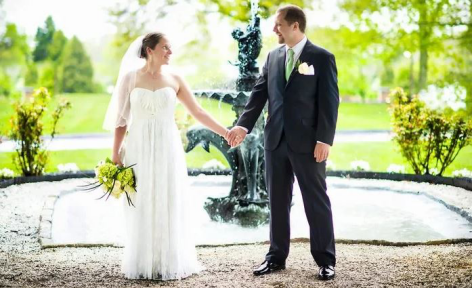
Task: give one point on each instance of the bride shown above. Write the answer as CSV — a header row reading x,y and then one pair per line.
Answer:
x,y
158,240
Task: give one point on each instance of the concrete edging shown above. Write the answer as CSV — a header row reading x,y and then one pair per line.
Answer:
x,y
295,240
46,221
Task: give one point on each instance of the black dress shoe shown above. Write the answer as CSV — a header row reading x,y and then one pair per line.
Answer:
x,y
326,272
267,267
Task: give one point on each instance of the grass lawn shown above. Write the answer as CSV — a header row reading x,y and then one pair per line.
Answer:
x,y
359,116
87,159
88,111
381,154
378,155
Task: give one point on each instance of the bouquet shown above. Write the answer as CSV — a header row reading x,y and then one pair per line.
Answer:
x,y
114,180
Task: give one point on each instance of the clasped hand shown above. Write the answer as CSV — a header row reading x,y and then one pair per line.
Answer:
x,y
236,135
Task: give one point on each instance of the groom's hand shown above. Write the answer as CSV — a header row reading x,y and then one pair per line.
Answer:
x,y
236,136
321,151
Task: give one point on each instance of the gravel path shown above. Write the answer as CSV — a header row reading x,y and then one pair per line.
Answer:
x,y
24,264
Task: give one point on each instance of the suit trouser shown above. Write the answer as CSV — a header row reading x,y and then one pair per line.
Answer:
x,y
281,165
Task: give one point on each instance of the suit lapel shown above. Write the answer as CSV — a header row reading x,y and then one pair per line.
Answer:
x,y
281,65
301,59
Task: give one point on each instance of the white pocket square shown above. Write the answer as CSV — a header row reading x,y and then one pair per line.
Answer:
x,y
305,69
311,70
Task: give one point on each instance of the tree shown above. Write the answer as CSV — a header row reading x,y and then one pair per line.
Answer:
x,y
129,25
57,45
43,39
14,52
414,25
47,77
2,16
13,47
358,69
77,68
240,10
31,75
55,52
6,85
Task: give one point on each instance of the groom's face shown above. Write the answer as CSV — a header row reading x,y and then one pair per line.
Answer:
x,y
283,30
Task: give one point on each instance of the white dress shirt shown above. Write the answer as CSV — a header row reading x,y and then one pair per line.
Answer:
x,y
297,50
297,53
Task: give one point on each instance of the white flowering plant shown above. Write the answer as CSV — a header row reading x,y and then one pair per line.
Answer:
x,y
329,165
68,167
394,168
114,180
462,173
360,165
432,171
213,164
452,96
6,173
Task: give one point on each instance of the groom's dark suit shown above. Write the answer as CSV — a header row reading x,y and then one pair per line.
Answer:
x,y
302,111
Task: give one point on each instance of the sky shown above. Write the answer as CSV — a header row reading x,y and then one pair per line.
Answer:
x,y
88,19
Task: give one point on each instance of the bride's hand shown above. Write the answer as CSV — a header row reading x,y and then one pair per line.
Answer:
x,y
116,160
226,134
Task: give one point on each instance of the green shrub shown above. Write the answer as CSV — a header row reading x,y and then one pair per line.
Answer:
x,y
27,129
6,85
31,75
47,77
428,139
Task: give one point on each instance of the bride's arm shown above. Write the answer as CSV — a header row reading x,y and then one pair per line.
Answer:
x,y
187,98
117,142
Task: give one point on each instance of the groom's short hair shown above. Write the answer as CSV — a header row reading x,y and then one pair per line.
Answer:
x,y
294,14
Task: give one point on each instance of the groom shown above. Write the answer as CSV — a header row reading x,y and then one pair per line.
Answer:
x,y
299,80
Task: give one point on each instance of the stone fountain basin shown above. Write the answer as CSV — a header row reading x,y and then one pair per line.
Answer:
x,y
362,210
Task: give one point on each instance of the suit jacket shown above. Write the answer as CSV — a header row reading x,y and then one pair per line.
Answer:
x,y
305,107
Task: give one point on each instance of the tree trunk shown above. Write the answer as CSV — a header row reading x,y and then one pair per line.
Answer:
x,y
423,68
424,38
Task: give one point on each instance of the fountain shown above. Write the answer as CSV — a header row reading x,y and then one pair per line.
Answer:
x,y
247,202
363,210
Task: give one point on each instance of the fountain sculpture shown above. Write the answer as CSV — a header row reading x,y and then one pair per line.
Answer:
x,y
247,202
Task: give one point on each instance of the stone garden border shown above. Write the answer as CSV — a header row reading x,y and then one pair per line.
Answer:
x,y
464,183
89,174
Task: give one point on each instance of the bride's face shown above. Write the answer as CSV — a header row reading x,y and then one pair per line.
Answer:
x,y
162,52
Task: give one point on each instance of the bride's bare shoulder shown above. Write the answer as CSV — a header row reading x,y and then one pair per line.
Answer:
x,y
130,75
176,77
179,80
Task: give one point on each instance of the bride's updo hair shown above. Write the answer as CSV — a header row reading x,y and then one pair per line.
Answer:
x,y
150,40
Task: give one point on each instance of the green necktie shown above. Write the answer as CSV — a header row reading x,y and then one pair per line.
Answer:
x,y
290,63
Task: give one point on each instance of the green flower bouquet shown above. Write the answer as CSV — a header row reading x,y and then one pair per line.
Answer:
x,y
114,180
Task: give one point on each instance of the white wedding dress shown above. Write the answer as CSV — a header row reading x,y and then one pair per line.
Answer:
x,y
158,236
